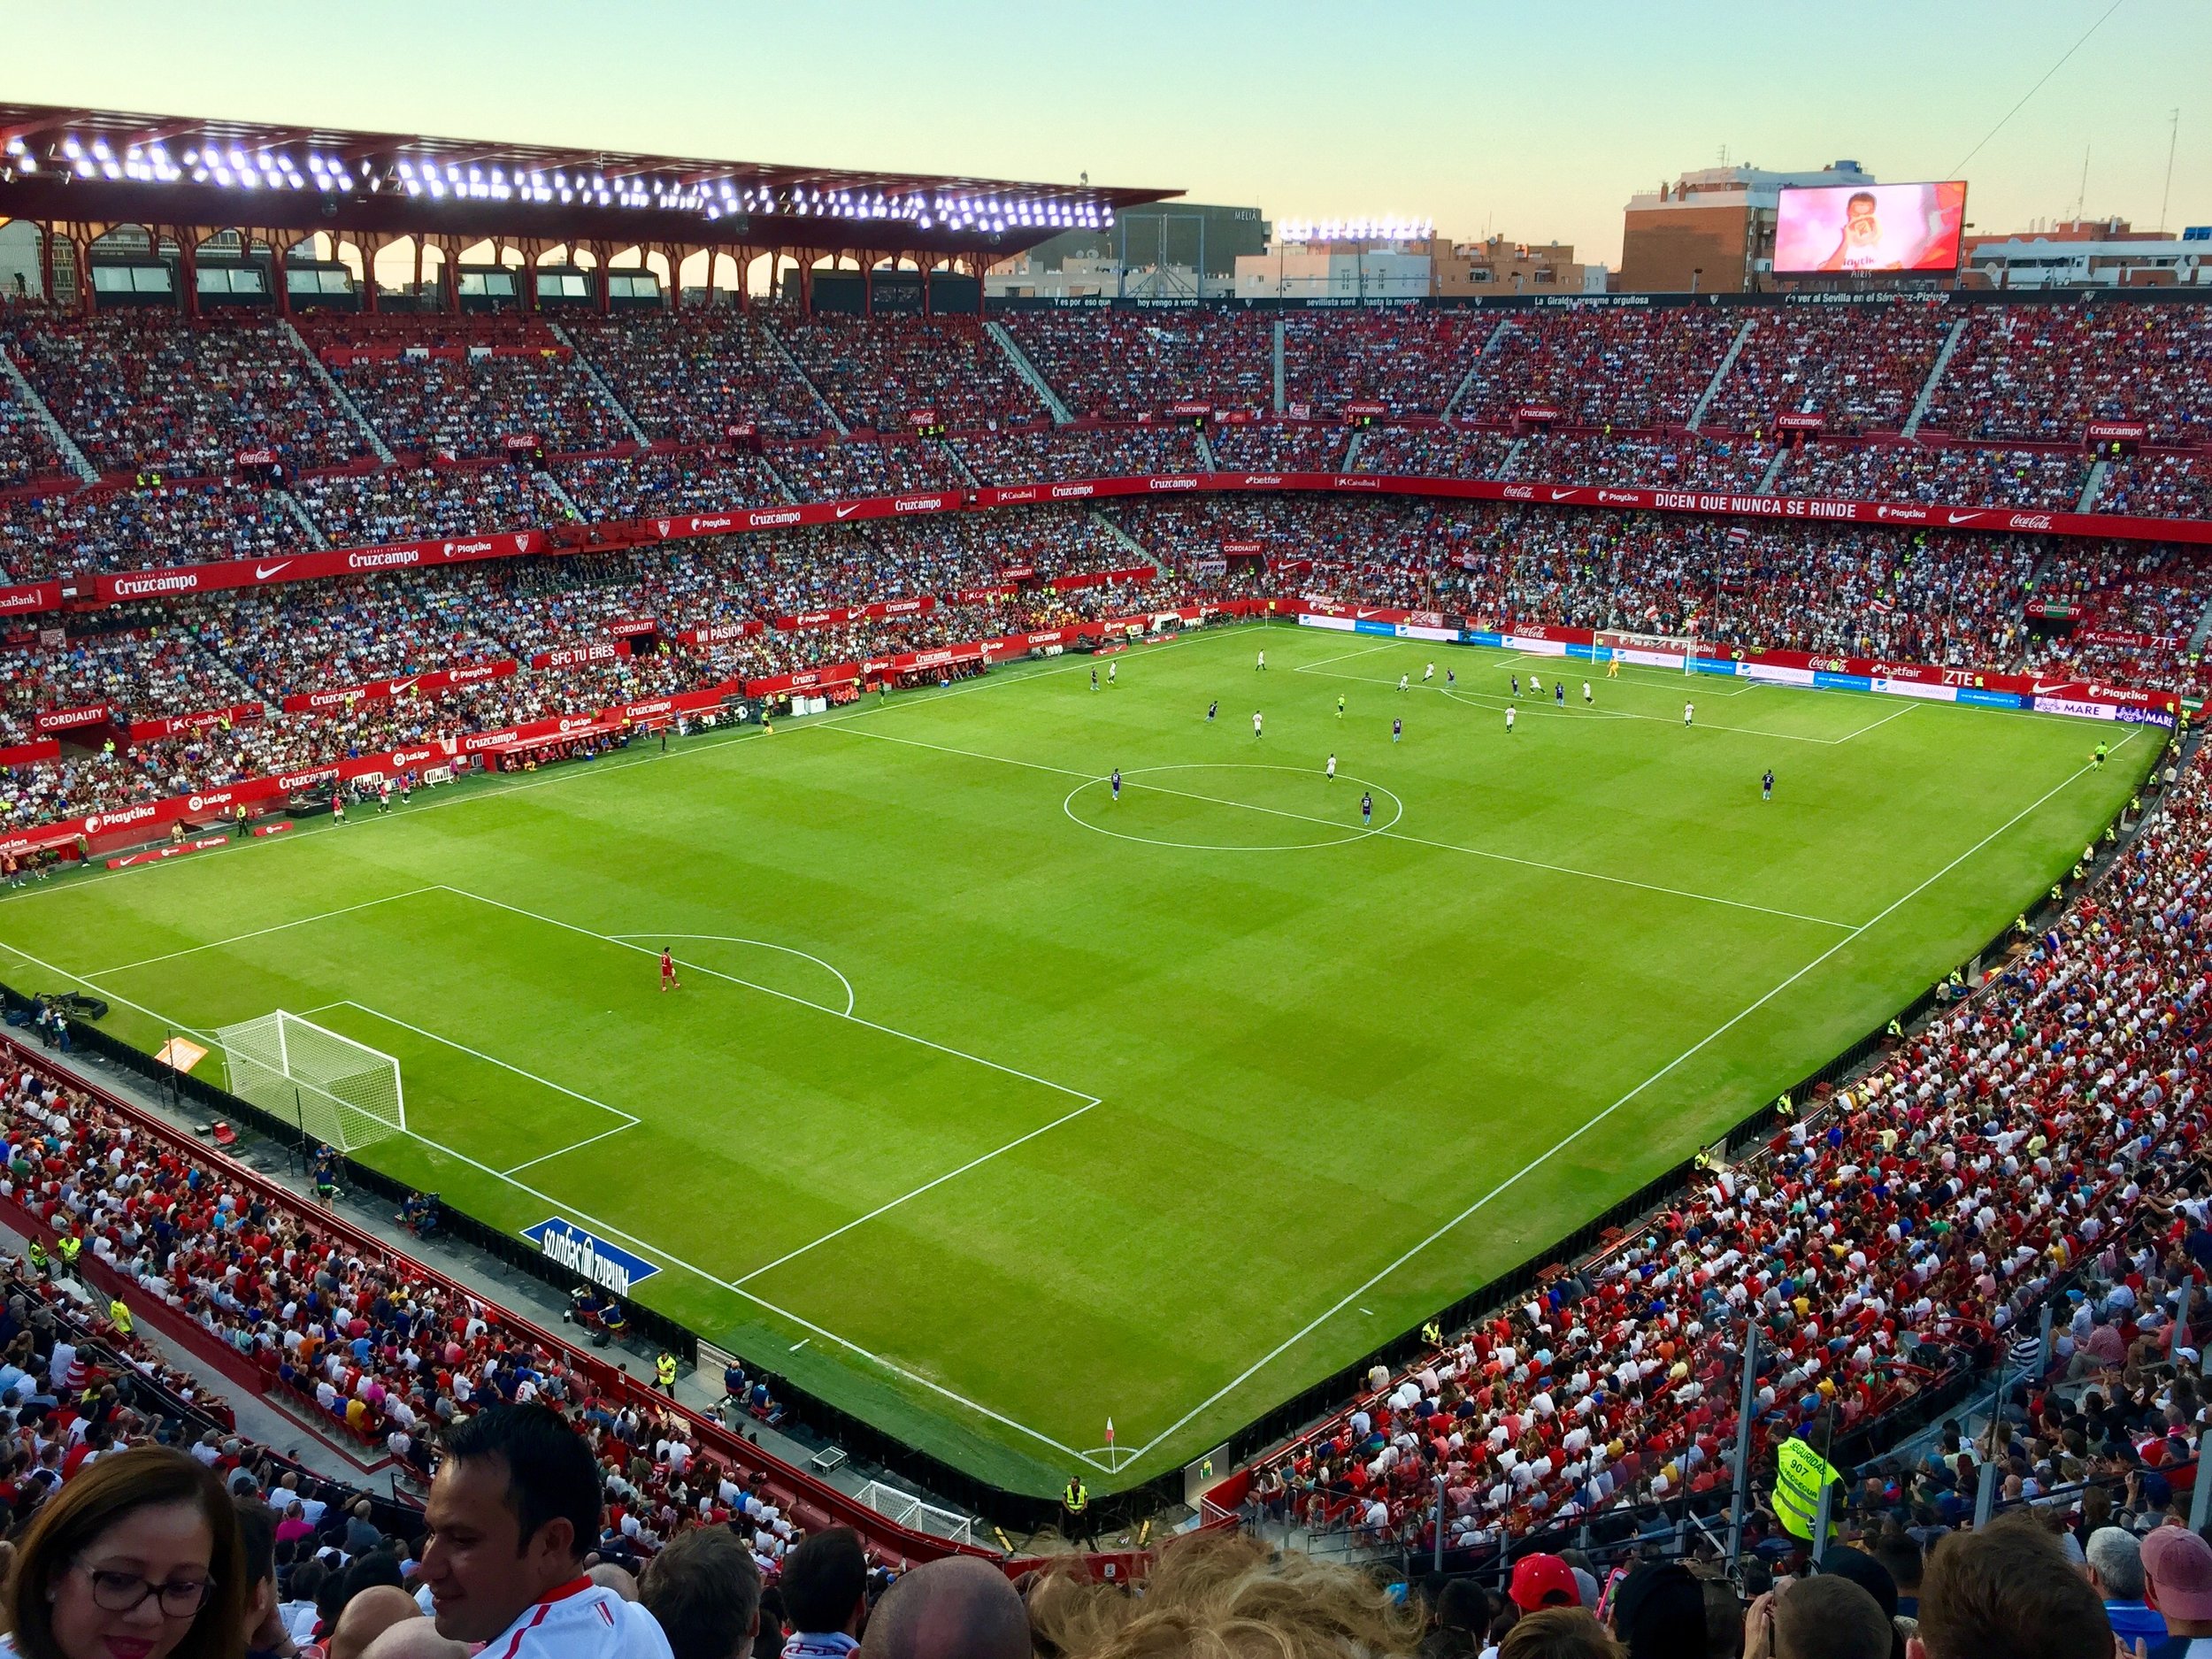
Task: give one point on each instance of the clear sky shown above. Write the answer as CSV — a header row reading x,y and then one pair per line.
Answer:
x,y
1537,119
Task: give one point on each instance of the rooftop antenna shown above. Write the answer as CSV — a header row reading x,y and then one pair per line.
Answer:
x,y
2173,136
2081,202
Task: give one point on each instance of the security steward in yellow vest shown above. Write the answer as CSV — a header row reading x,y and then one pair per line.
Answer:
x,y
664,1373
69,1244
119,1317
41,1264
1075,1513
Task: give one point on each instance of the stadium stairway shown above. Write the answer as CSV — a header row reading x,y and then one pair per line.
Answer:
x,y
2202,632
65,445
606,392
1062,415
1765,486
829,411
1497,338
1276,352
783,484
290,503
2097,471
377,446
1727,362
1935,377
1206,452
1113,528
551,485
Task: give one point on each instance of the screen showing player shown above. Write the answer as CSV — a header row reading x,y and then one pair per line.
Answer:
x,y
1846,227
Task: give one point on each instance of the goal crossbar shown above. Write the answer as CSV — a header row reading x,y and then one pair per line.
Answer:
x,y
333,1088
1651,650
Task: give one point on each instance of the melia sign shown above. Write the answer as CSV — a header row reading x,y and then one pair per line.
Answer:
x,y
606,1265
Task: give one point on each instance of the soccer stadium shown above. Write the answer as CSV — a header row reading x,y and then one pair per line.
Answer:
x,y
981,883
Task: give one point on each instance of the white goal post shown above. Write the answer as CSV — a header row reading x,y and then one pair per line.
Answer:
x,y
340,1091
1652,650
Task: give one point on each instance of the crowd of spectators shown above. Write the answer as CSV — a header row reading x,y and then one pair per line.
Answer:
x,y
641,486
2130,610
1684,461
835,471
1091,451
1954,475
101,528
690,377
28,452
2167,486
1436,451
415,504
1275,445
1120,364
1609,366
2044,371
1858,368
1410,361
880,372
145,391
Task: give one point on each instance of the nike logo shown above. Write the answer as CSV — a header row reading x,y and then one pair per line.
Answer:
x,y
2044,691
847,513
1960,518
262,572
1560,495
399,687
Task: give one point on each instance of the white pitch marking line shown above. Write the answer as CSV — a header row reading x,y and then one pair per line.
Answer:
x,y
235,938
731,938
1342,657
801,1343
488,1059
574,1146
770,990
1350,1299
1389,834
1884,720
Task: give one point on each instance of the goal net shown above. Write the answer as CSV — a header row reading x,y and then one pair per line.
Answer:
x,y
335,1089
1652,650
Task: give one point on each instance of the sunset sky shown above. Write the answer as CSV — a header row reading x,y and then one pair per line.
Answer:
x,y
1536,120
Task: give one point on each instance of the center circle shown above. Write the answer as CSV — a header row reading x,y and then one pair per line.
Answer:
x,y
1291,811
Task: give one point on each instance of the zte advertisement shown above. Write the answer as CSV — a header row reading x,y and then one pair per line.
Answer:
x,y
1850,228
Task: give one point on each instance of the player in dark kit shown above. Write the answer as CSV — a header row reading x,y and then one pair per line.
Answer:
x,y
1212,709
1366,807
1397,730
1116,783
1766,786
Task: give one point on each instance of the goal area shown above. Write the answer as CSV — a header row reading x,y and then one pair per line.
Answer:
x,y
337,1090
1651,650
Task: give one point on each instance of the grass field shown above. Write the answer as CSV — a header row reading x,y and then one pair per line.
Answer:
x,y
992,1108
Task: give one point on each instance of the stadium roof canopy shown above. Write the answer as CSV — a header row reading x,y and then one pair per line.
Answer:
x,y
109,167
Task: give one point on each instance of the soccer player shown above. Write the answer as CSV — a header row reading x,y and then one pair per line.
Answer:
x,y
338,806
1212,709
669,981
1109,672
1428,674
1535,686
1766,785
2099,757
1116,783
1397,730
1509,720
1689,712
1260,666
1612,668
1516,678
1332,768
1586,694
1366,807
1451,678
1094,676
1559,694
1402,681
1255,724
1340,707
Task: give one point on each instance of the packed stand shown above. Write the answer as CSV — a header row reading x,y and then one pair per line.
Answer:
x,y
97,528
2135,606
417,503
1409,361
428,395
1605,366
880,372
1686,462
1435,451
1954,475
1859,368
1119,451
2044,371
612,487
832,471
140,662
1119,365
28,454
2167,486
147,392
1277,445
691,377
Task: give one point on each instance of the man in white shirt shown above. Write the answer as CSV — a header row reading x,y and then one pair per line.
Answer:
x,y
514,1506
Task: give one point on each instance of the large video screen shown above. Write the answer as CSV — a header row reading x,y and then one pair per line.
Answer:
x,y
1849,227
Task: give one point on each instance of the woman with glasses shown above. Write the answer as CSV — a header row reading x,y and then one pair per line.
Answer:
x,y
137,1557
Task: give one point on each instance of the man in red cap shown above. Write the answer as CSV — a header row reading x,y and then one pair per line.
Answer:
x,y
1542,1581
2177,1581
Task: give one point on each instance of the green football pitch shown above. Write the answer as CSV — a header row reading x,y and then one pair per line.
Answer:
x,y
993,1108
